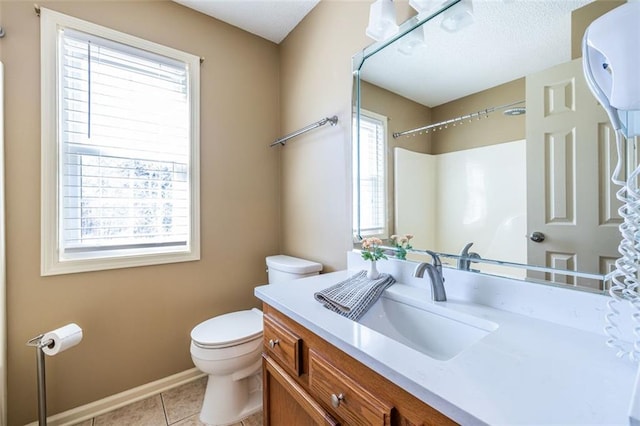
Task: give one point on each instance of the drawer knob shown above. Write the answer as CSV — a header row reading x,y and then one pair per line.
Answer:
x,y
273,343
336,399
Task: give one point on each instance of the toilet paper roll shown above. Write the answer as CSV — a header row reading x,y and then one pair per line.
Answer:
x,y
62,339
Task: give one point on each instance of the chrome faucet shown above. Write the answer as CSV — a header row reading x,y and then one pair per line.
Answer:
x,y
464,262
434,270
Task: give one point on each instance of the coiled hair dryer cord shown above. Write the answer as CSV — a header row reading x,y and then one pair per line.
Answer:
x,y
624,280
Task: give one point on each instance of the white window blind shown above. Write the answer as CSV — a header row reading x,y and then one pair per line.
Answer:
x,y
125,147
372,184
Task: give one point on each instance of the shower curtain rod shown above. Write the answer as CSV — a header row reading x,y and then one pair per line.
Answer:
x,y
456,120
333,120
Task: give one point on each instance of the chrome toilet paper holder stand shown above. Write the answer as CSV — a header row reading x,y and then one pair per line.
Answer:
x,y
42,388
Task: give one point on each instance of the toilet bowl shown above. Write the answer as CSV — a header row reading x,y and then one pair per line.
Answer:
x,y
227,348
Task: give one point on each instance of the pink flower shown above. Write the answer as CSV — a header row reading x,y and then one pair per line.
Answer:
x,y
371,249
372,242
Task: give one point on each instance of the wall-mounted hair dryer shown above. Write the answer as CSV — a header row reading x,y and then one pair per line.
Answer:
x,y
611,62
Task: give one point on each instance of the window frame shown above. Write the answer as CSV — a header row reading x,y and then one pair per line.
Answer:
x,y
52,261
372,116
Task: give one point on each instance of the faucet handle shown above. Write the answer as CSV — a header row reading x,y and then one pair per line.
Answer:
x,y
437,263
465,250
464,262
435,258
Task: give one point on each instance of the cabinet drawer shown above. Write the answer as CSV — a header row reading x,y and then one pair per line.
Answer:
x,y
282,344
349,400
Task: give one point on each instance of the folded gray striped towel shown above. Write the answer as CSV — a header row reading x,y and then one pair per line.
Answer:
x,y
352,297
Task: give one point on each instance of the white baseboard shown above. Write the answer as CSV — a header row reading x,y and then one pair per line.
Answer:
x,y
110,403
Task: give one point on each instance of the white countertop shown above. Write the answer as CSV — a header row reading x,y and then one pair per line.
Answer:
x,y
527,371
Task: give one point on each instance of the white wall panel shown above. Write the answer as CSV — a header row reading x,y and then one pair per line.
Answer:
x,y
476,195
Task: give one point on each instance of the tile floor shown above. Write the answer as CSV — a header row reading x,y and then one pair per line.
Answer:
x,y
176,407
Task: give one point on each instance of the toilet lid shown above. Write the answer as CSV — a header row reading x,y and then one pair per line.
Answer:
x,y
228,330
293,265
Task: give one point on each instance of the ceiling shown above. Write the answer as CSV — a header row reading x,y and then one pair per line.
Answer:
x,y
495,49
508,39
270,19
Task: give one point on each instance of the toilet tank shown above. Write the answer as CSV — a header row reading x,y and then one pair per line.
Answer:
x,y
283,268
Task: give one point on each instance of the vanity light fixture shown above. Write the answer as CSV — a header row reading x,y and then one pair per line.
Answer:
x,y
458,17
382,20
422,6
412,41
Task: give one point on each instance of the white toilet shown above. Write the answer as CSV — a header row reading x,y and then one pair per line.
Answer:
x,y
228,348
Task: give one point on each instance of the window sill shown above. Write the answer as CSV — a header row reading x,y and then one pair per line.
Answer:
x,y
57,267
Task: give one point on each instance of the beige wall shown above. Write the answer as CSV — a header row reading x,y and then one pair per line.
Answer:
x,y
582,17
315,175
491,130
403,114
316,82
137,321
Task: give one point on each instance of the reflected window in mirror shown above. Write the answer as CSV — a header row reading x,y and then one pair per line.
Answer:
x,y
370,216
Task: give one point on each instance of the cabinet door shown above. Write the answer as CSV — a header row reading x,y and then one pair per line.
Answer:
x,y
286,403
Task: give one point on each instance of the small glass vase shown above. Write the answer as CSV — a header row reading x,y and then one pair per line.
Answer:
x,y
373,273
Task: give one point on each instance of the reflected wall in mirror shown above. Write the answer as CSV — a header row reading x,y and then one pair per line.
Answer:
x,y
490,135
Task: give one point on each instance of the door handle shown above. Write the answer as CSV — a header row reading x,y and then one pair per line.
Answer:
x,y
537,237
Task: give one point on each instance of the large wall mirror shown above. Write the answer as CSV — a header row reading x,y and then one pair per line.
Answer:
x,y
485,132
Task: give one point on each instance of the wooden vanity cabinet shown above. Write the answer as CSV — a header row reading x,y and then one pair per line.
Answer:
x,y
308,381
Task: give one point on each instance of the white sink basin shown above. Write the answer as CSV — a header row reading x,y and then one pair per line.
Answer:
x,y
436,331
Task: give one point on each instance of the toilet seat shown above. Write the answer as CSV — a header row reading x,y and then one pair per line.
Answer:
x,y
232,329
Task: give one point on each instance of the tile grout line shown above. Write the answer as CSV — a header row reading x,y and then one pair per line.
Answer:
x,y
164,410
